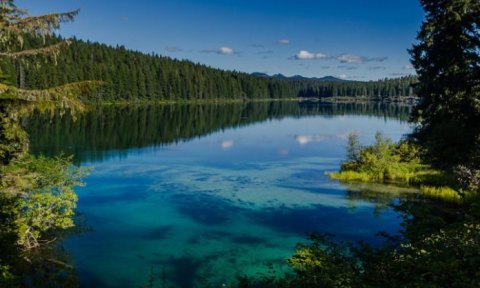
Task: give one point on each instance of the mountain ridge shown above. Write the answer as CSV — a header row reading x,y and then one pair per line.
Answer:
x,y
280,76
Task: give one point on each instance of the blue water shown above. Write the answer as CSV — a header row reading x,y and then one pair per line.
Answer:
x,y
231,203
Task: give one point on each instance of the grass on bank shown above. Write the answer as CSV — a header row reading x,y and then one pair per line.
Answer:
x,y
392,163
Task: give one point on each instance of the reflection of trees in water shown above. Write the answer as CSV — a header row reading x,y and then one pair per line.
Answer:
x,y
48,265
382,196
106,128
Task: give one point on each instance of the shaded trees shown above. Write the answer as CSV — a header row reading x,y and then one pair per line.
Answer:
x,y
37,201
447,60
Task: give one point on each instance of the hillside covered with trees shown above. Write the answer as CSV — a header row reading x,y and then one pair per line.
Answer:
x,y
133,76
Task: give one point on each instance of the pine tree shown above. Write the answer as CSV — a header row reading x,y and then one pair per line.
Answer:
x,y
36,192
447,60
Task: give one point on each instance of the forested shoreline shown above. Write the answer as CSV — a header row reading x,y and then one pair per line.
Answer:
x,y
132,76
437,245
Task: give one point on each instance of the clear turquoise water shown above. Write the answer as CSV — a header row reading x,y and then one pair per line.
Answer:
x,y
230,202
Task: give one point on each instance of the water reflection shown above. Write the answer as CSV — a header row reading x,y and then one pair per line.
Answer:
x,y
107,131
215,191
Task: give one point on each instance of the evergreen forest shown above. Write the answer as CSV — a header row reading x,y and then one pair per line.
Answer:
x,y
132,76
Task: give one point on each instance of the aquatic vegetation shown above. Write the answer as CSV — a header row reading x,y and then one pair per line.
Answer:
x,y
443,193
391,163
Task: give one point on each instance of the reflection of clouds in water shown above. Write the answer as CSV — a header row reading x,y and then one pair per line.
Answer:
x,y
227,144
283,152
305,139
344,135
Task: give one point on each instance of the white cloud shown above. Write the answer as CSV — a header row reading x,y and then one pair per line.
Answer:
x,y
343,76
173,49
376,68
351,59
225,51
284,41
355,59
408,67
345,135
227,144
306,55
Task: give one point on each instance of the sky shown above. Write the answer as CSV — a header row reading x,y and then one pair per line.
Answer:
x,y
350,39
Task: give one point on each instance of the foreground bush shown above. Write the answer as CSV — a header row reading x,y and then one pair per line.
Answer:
x,y
391,163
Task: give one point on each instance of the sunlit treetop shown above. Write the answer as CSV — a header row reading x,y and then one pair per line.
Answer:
x,y
15,24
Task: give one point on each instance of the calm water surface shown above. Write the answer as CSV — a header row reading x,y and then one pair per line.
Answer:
x,y
212,192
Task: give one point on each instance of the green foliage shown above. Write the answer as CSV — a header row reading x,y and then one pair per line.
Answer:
x,y
384,161
353,147
439,247
387,162
351,176
37,200
446,258
45,200
447,60
7,279
443,193
131,76
323,263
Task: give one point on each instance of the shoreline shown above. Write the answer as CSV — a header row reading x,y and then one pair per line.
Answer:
x,y
410,100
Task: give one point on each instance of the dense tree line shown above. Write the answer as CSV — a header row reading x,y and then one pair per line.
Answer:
x,y
134,76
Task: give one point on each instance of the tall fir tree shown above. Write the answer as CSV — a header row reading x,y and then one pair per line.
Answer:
x,y
37,200
447,60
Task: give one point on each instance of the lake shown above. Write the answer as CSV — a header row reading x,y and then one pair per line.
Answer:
x,y
207,193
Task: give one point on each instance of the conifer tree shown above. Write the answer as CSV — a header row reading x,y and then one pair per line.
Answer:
x,y
36,195
447,60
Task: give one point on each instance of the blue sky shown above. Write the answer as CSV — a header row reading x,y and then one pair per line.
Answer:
x,y
352,39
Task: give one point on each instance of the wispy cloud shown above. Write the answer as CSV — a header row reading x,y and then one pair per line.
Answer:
x,y
346,67
351,59
376,68
356,59
222,51
173,49
377,59
408,67
266,52
306,55
343,76
283,41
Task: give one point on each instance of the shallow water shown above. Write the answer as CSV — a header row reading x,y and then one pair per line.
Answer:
x,y
217,192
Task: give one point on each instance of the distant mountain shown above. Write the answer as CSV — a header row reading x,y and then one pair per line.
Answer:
x,y
298,77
